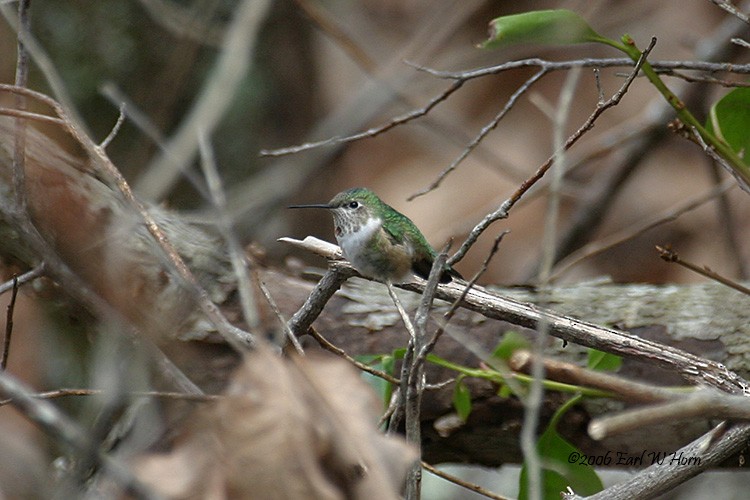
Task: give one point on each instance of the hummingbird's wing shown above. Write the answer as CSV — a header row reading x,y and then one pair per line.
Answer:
x,y
422,268
423,254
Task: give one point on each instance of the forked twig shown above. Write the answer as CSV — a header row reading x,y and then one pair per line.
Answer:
x,y
507,205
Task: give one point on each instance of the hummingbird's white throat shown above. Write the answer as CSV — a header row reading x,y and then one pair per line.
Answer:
x,y
353,243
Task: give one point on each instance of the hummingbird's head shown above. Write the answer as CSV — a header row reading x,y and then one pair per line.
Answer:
x,y
352,209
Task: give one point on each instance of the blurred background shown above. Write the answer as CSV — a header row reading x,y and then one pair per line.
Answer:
x,y
324,69
330,68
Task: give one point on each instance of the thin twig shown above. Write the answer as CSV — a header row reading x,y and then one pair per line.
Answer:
x,y
705,79
53,422
326,344
535,62
22,76
401,311
469,285
25,277
113,133
213,100
181,396
489,127
239,262
719,159
372,132
669,255
9,325
505,207
44,64
30,115
415,374
316,301
708,404
534,398
284,323
731,9
464,76
463,483
569,373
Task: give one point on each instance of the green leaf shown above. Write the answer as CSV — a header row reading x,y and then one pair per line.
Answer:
x,y
399,353
511,342
557,27
563,464
384,363
729,120
462,399
603,361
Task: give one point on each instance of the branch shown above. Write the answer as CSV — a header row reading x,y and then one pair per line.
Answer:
x,y
703,453
692,368
731,9
462,77
372,132
214,99
670,255
489,127
325,288
502,211
414,373
46,416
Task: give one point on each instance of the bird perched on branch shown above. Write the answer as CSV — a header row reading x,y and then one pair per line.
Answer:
x,y
378,240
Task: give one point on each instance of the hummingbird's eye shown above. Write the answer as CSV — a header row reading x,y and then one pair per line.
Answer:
x,y
353,204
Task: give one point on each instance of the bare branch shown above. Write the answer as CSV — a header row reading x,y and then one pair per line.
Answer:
x,y
702,404
375,131
489,127
703,453
670,255
502,211
46,416
9,326
570,373
626,234
214,99
708,67
414,373
239,262
464,484
731,9
290,337
20,280
324,290
113,133
325,344
62,393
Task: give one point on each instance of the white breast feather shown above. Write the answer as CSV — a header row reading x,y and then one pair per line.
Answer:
x,y
353,243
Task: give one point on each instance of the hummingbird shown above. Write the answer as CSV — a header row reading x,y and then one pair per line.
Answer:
x,y
378,240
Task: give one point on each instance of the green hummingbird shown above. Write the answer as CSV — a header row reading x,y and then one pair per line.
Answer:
x,y
378,240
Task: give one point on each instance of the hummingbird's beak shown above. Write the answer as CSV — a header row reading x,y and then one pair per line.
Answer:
x,y
318,205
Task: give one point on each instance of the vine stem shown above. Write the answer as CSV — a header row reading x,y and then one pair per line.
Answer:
x,y
629,47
